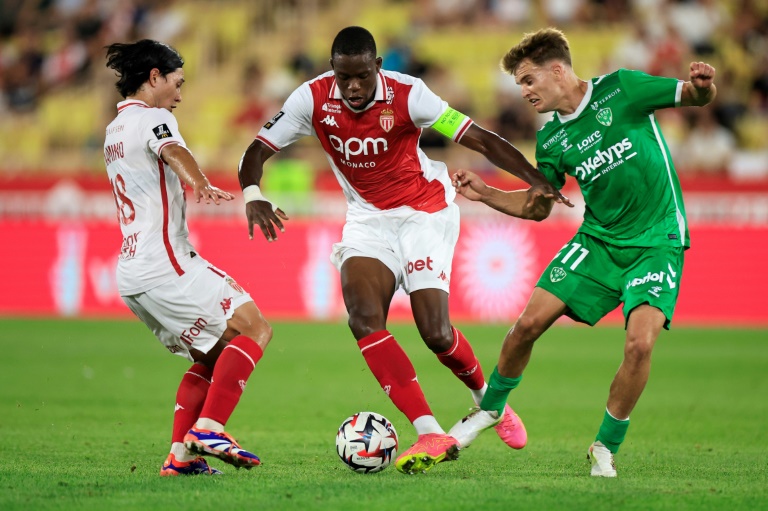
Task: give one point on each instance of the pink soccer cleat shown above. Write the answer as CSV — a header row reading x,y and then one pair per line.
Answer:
x,y
511,429
428,451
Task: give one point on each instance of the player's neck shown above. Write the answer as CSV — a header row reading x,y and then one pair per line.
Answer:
x,y
573,96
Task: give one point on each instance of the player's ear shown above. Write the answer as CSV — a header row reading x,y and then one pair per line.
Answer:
x,y
378,64
154,75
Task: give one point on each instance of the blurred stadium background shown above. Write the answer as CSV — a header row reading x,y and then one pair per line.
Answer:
x,y
59,236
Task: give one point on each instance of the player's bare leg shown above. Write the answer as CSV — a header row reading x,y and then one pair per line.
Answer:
x,y
235,356
643,328
542,310
540,313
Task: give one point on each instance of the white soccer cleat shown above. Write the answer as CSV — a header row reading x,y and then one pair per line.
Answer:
x,y
468,428
602,460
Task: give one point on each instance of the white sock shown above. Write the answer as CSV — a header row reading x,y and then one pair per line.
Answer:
x,y
210,424
181,453
427,424
477,395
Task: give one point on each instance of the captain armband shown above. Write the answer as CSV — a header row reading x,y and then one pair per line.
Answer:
x,y
452,124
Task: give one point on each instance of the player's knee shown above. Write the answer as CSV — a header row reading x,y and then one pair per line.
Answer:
x,y
526,330
363,324
260,331
637,349
438,338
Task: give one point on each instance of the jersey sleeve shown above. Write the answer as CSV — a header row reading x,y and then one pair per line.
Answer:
x,y
649,92
427,110
158,128
547,166
291,123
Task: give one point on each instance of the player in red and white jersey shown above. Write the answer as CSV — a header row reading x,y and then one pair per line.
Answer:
x,y
195,309
402,225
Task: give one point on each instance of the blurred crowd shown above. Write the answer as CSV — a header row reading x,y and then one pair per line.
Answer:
x,y
49,46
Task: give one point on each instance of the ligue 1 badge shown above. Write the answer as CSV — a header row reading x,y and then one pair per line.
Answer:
x,y
387,119
605,117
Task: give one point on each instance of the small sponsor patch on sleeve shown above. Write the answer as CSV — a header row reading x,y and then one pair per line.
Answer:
x,y
273,120
672,236
162,132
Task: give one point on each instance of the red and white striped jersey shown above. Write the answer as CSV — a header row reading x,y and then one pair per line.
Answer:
x,y
373,152
151,206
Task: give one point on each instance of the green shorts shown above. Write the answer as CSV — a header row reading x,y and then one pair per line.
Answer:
x,y
593,277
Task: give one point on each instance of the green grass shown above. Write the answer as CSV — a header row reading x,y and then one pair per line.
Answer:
x,y
86,406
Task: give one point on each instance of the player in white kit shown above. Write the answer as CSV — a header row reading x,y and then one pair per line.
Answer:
x,y
195,309
401,226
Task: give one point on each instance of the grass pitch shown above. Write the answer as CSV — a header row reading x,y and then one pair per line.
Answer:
x,y
87,407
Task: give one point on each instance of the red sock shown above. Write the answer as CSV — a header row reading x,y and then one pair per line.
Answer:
x,y
231,372
189,400
395,373
461,360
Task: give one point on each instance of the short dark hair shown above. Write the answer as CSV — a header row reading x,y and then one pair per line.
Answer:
x,y
353,41
134,61
540,47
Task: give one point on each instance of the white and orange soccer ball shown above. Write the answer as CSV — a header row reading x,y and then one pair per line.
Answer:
x,y
366,442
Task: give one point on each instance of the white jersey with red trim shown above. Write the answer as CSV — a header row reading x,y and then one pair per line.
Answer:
x,y
373,152
151,206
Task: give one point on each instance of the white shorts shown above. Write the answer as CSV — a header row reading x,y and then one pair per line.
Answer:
x,y
416,246
190,311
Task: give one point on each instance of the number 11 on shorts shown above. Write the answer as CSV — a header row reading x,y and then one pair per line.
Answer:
x,y
575,248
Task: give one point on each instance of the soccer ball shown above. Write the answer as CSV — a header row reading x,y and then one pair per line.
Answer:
x,y
366,442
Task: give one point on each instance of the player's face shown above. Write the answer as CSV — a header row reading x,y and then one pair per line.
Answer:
x,y
167,91
356,77
540,85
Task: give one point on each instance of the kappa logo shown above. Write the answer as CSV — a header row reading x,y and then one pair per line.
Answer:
x,y
390,95
557,274
330,121
226,303
242,384
387,389
468,373
177,408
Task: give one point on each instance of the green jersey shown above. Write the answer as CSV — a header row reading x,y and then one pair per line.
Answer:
x,y
613,146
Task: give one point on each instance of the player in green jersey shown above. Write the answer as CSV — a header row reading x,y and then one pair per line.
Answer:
x,y
630,246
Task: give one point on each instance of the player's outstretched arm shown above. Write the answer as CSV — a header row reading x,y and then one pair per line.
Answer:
x,y
700,90
528,204
185,166
258,210
506,156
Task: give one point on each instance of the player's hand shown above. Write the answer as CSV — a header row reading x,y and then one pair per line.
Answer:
x,y
538,195
261,213
211,193
550,192
702,75
469,184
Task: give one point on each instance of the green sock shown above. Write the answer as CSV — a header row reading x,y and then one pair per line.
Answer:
x,y
498,390
612,432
